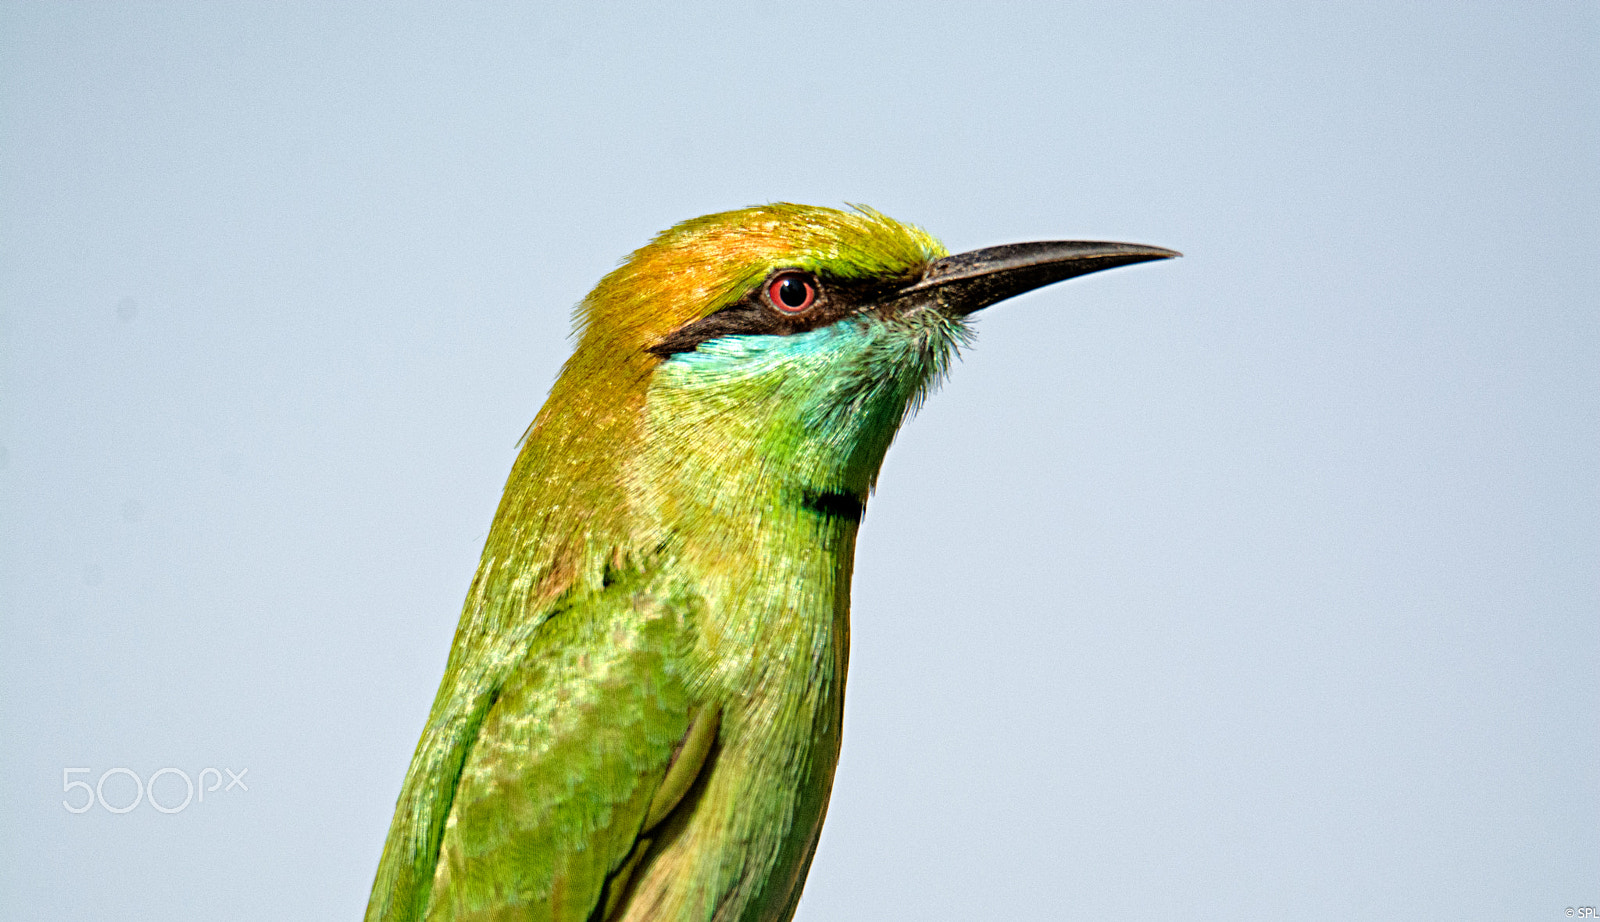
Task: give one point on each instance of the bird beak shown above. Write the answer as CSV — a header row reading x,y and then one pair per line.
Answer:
x,y
971,281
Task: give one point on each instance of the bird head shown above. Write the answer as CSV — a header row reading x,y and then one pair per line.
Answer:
x,y
742,355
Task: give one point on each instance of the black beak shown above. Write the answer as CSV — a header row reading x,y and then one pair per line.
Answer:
x,y
971,281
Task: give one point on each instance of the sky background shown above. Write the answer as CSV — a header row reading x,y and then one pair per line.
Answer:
x,y
1261,584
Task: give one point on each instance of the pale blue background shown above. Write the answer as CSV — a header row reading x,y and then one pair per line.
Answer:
x,y
1264,584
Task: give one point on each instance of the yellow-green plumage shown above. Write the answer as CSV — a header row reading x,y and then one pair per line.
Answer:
x,y
664,593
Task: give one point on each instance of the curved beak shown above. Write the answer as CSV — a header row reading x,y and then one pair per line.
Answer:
x,y
971,281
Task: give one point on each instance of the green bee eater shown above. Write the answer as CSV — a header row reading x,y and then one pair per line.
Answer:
x,y
640,716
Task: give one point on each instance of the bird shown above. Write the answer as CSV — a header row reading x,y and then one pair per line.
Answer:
x,y
640,715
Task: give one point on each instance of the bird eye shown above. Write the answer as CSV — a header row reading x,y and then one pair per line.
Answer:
x,y
791,292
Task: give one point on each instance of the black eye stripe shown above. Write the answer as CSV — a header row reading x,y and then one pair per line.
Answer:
x,y
836,299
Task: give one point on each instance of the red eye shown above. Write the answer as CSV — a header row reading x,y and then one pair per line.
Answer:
x,y
791,292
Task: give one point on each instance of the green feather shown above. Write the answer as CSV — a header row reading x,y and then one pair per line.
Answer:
x,y
654,557
640,716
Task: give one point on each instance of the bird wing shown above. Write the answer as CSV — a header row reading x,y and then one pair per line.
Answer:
x,y
565,770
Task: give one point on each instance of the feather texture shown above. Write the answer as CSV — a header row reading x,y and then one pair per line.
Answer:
x,y
663,547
